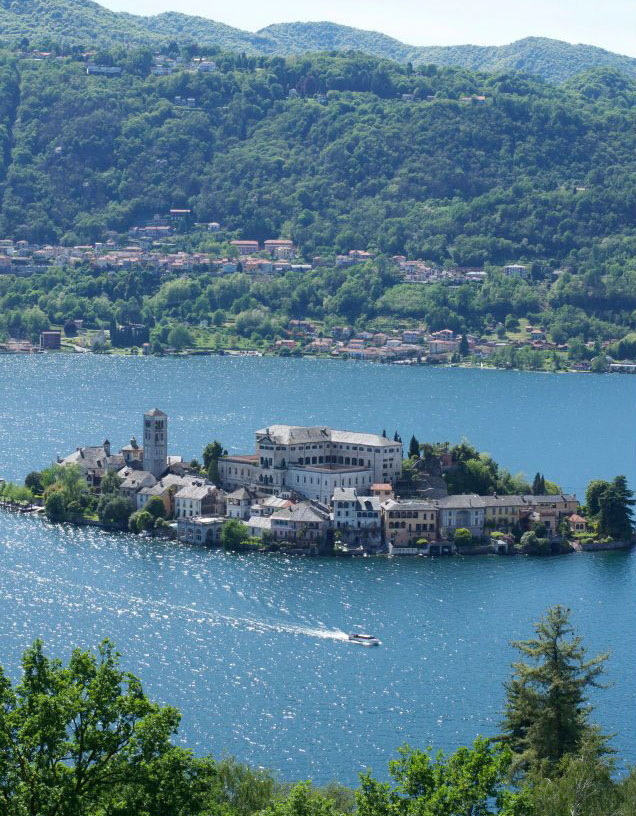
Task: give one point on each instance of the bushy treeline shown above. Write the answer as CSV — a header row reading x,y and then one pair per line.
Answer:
x,y
82,739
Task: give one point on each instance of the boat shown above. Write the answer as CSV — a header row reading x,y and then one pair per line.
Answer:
x,y
363,640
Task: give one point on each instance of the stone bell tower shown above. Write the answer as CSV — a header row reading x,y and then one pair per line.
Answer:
x,y
155,442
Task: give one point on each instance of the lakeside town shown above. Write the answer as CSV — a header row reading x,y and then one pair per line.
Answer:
x,y
317,490
151,249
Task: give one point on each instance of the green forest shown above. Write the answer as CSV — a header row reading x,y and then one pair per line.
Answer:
x,y
388,158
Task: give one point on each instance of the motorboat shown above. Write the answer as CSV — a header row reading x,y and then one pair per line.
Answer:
x,y
363,640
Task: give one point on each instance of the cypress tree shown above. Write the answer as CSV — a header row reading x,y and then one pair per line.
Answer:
x,y
414,448
546,715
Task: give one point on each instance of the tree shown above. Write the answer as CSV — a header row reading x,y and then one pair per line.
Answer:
x,y
414,448
84,739
115,510
538,485
463,346
179,337
463,537
211,455
470,782
70,329
143,520
592,496
111,483
55,506
33,481
615,516
547,714
156,507
234,535
582,785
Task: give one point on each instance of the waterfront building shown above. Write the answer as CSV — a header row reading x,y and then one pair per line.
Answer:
x,y
466,512
200,530
305,522
166,488
357,519
199,499
406,521
155,456
313,462
50,340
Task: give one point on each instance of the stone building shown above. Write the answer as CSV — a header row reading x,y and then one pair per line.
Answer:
x,y
155,456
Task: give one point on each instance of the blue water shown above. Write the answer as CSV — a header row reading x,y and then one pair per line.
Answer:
x,y
251,648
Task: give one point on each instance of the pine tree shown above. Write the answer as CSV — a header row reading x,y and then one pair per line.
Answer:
x,y
547,714
414,448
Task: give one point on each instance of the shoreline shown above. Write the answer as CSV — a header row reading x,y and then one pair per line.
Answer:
x,y
234,353
479,550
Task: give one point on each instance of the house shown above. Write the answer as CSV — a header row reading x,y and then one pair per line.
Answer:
x,y
134,482
133,454
383,491
281,249
465,511
239,503
406,521
94,462
245,247
166,488
502,512
198,499
51,340
205,530
307,521
357,519
105,70
516,271
577,524
259,526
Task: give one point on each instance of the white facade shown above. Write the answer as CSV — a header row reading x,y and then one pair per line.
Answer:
x,y
314,461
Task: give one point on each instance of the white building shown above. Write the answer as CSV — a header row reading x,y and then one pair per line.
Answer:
x,y
357,518
198,499
313,461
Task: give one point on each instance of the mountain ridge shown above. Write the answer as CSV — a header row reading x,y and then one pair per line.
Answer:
x,y
84,22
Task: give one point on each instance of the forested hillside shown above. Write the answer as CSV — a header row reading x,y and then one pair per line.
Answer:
x,y
530,172
83,23
337,153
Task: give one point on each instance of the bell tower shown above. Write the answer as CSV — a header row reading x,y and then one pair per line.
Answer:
x,y
155,442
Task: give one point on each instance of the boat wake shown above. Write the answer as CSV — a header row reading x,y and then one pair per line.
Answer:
x,y
100,600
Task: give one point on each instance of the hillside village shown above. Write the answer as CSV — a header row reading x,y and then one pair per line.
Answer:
x,y
149,250
312,490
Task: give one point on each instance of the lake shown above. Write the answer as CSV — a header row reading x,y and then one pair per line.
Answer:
x,y
251,648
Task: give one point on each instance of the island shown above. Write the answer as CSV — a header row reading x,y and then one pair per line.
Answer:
x,y
318,491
